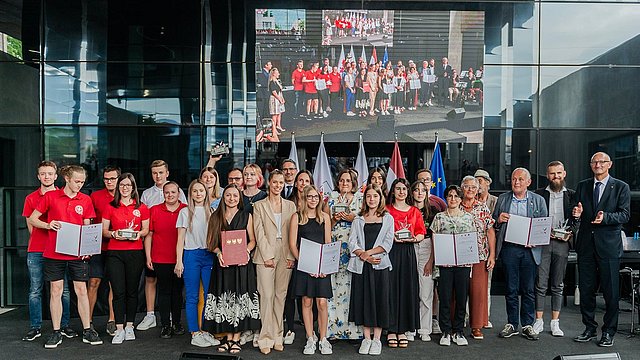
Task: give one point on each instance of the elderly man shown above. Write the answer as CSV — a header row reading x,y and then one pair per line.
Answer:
x,y
519,261
603,207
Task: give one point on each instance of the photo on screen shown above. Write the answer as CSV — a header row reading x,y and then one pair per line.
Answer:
x,y
375,72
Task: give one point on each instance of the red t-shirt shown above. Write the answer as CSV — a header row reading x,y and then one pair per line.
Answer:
x,y
38,237
297,79
59,206
126,217
101,200
437,202
336,79
412,217
165,234
310,87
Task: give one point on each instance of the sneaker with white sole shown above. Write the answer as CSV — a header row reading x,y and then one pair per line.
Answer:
x,y
147,323
256,336
489,325
508,331
118,338
245,336
54,340
411,336
529,333
91,337
210,339
425,337
460,340
555,328
310,346
376,347
325,347
198,339
538,326
289,337
445,340
365,347
129,334
111,328
435,327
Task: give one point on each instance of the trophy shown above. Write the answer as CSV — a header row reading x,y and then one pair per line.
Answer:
x,y
404,233
219,148
561,232
340,207
129,233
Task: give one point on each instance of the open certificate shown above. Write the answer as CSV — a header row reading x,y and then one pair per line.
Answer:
x,y
79,240
528,231
456,249
318,258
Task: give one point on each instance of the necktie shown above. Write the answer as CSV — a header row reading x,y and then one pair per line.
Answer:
x,y
596,195
288,192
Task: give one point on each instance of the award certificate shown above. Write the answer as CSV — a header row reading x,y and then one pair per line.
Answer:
x,y
456,250
526,231
234,247
79,240
318,258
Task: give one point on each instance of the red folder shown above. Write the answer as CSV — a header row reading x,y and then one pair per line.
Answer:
x,y
234,247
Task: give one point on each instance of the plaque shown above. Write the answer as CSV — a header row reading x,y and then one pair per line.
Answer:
x,y
128,234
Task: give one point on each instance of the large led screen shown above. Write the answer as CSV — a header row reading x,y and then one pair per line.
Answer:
x,y
375,72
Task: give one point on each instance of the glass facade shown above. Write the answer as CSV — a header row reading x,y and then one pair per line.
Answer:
x,y
114,82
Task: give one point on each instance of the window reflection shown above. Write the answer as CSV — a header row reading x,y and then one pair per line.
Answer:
x,y
511,33
509,96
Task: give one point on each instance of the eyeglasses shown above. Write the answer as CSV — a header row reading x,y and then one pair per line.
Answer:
x,y
313,197
469,187
125,185
110,179
289,169
599,162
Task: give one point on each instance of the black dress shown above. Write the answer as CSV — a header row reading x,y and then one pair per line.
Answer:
x,y
306,285
369,304
248,201
232,303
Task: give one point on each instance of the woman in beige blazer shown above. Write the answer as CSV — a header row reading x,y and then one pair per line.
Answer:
x,y
273,260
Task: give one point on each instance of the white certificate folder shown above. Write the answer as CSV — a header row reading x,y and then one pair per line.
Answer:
x,y
456,249
318,258
79,240
526,231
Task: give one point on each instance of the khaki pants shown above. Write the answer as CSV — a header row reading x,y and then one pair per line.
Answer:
x,y
272,286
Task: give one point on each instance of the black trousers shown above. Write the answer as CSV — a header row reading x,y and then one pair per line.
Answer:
x,y
125,269
453,279
169,293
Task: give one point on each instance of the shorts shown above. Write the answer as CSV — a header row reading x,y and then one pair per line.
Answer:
x,y
97,267
311,96
76,270
148,272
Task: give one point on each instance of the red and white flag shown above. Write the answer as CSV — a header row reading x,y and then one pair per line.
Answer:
x,y
396,171
374,57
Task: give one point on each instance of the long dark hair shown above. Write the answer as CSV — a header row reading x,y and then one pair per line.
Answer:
x,y
391,198
426,208
295,195
381,209
217,221
134,191
382,173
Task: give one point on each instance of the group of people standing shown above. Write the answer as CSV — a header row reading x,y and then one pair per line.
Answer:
x,y
387,280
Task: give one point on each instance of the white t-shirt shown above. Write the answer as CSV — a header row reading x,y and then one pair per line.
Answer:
x,y
154,196
196,238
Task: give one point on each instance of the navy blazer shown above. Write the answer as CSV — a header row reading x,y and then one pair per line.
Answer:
x,y
568,203
604,239
536,207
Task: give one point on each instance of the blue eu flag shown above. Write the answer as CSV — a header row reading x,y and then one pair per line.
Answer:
x,y
385,58
437,173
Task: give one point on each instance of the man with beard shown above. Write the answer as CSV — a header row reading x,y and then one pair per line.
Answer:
x,y
560,202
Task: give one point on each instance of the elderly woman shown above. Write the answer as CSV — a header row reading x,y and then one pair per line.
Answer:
x,y
478,289
453,279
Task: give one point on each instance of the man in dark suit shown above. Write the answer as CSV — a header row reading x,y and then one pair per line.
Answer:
x,y
290,170
519,261
603,207
262,90
443,73
560,202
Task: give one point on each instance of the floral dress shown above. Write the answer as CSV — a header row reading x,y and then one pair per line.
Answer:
x,y
483,221
339,326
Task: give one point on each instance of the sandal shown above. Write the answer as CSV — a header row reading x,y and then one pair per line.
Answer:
x,y
403,342
235,347
392,342
224,346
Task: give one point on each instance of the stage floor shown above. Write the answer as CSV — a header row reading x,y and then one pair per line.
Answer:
x,y
148,345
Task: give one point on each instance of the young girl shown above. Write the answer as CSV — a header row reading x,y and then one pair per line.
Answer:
x,y
193,259
253,179
232,304
312,224
210,179
369,244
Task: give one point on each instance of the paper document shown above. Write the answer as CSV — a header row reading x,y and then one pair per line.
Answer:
x,y
526,231
456,250
318,258
79,240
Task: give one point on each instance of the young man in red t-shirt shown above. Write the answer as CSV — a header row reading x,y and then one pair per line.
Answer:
x,y
97,266
47,175
72,206
309,81
298,88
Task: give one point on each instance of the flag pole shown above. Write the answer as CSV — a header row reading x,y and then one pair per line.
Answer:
x,y
436,137
360,136
395,135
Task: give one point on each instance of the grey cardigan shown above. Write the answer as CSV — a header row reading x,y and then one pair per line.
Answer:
x,y
356,242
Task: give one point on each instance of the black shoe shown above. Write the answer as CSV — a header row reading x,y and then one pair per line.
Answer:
x,y
32,335
606,340
54,340
90,336
529,333
586,336
68,332
178,329
166,332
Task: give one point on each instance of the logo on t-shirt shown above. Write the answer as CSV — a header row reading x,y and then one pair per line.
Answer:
x,y
136,213
79,209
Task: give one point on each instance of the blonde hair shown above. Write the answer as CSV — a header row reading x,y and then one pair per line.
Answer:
x,y
191,203
303,217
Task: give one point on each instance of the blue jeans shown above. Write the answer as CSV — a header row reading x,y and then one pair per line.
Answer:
x,y
35,263
350,99
520,276
197,267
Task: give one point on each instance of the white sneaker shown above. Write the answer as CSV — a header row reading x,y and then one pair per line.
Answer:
x,y
310,346
460,340
256,336
129,334
328,109
365,347
538,326
410,335
325,114
489,325
118,338
197,339
147,323
325,347
245,336
289,337
425,337
376,347
210,339
435,327
445,340
351,113
555,328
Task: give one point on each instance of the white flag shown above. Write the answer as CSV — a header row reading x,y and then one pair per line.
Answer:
x,y
361,166
341,60
293,154
352,55
322,172
363,55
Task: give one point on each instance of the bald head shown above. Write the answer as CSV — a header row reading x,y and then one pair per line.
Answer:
x,y
600,164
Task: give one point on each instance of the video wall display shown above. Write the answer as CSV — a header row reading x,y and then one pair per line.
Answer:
x,y
375,72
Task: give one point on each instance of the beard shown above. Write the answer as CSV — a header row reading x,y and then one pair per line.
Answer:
x,y
556,185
